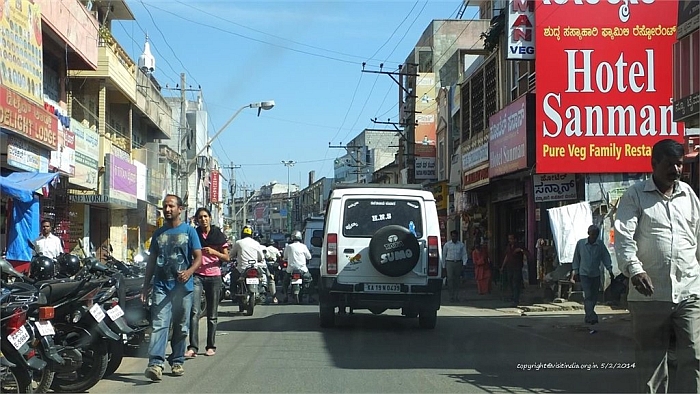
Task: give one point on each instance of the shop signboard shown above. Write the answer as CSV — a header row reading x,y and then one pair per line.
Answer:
x,y
214,187
508,138
521,30
86,153
141,180
63,158
28,119
426,108
120,178
23,60
27,156
606,97
554,187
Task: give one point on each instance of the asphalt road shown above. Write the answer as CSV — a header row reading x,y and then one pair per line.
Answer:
x,y
281,348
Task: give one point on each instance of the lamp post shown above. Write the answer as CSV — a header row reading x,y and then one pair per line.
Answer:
x,y
289,164
266,105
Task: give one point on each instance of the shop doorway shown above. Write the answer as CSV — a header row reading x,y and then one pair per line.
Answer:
x,y
99,229
511,219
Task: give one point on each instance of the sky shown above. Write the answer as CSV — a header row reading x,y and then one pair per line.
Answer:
x,y
305,55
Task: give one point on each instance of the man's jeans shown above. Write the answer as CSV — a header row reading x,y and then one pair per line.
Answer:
x,y
454,270
211,286
591,287
169,306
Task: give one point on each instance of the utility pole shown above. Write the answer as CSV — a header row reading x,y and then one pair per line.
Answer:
x,y
405,96
232,190
183,132
356,149
289,164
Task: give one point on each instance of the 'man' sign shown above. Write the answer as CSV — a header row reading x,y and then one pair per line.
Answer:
x,y
521,30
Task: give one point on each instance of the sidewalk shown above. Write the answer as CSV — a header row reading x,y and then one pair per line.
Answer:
x,y
531,300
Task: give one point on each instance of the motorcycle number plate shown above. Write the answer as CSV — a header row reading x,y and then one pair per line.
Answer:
x,y
115,312
45,328
252,281
97,312
19,337
296,281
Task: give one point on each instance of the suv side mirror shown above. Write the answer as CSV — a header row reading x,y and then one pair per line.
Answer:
x,y
317,241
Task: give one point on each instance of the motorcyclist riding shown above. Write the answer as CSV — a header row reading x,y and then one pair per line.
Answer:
x,y
296,254
271,256
244,251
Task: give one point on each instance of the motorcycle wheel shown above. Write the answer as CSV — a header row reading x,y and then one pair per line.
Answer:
x,y
41,381
116,354
15,380
95,361
251,305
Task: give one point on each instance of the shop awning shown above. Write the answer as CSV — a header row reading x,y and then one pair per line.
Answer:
x,y
22,185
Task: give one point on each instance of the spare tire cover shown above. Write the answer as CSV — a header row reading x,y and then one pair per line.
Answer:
x,y
394,250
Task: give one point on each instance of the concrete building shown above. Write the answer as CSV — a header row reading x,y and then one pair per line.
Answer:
x,y
367,152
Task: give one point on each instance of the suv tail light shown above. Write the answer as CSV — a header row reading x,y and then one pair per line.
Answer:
x,y
433,256
332,254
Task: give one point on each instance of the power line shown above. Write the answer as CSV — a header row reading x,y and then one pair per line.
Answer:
x,y
395,30
251,38
407,30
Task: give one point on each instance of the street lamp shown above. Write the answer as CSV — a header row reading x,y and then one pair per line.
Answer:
x,y
266,105
289,164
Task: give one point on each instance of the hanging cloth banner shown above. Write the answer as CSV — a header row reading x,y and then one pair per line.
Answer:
x,y
569,224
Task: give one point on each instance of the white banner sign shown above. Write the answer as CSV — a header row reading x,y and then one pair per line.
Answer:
x,y
520,31
475,156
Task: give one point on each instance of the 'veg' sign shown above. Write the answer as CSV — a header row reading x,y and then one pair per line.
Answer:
x,y
604,84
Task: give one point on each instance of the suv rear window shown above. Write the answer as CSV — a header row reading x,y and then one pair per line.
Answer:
x,y
363,217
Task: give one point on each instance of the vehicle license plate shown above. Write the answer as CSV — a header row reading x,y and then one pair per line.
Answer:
x,y
115,312
97,313
45,328
252,281
382,288
19,337
296,281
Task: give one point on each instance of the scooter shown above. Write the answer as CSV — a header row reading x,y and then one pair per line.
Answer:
x,y
299,283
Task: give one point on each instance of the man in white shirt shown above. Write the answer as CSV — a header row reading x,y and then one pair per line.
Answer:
x,y
296,254
246,251
657,233
454,254
48,244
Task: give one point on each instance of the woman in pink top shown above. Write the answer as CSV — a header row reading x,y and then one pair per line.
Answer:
x,y
208,279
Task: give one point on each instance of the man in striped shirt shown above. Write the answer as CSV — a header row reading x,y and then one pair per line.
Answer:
x,y
657,232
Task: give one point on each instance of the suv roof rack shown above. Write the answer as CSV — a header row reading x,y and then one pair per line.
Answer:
x,y
411,186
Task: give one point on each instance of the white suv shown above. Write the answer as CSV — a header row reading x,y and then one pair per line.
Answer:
x,y
381,250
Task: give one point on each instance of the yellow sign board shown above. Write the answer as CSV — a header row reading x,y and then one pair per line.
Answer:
x,y
21,60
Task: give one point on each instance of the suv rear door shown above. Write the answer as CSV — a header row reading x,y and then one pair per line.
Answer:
x,y
361,218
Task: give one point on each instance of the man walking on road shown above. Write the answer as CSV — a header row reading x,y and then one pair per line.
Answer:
x,y
175,255
512,268
657,233
589,254
455,255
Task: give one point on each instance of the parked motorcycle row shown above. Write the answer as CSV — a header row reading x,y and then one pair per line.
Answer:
x,y
65,327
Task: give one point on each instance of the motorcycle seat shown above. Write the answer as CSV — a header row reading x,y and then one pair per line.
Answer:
x,y
55,291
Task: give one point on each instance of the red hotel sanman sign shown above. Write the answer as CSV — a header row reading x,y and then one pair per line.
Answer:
x,y
604,83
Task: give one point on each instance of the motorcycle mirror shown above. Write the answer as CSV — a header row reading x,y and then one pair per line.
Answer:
x,y
31,244
111,250
8,269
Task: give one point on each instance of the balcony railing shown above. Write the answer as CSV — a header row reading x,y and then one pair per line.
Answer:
x,y
107,40
151,102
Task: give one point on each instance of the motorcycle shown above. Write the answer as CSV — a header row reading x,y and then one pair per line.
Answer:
x,y
246,288
226,281
299,283
27,343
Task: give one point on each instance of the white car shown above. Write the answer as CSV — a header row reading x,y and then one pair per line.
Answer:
x,y
381,250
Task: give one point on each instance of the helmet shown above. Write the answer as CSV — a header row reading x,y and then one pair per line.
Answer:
x,y
42,268
296,236
69,264
247,231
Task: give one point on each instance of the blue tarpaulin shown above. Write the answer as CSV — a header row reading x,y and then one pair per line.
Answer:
x,y
24,223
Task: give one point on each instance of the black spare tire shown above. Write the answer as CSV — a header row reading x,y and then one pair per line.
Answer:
x,y
394,250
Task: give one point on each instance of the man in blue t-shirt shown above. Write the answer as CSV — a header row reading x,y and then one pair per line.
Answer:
x,y
175,254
